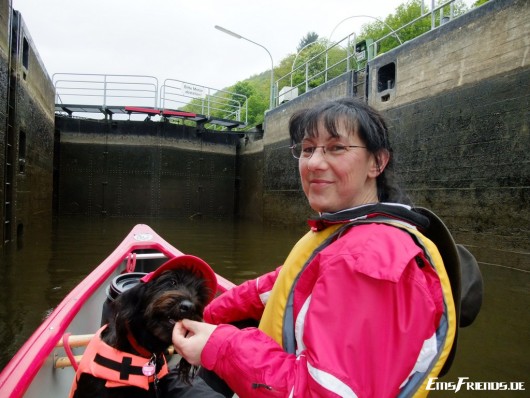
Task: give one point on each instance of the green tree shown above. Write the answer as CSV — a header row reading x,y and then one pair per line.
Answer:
x,y
310,37
237,101
309,64
243,88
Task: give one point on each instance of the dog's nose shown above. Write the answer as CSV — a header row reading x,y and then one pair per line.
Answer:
x,y
185,306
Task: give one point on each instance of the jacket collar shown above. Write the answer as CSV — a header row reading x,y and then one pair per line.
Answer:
x,y
389,210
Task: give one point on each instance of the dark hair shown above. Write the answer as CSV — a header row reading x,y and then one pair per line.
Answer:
x,y
355,116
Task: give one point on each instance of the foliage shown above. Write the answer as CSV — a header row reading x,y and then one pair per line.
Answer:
x,y
257,100
307,66
380,30
243,88
309,38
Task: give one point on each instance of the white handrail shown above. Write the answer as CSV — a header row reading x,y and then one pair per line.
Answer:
x,y
108,90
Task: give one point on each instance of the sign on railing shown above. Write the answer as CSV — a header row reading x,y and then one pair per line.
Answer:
x,y
193,90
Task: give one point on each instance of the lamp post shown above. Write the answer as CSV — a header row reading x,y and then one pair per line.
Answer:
x,y
298,53
359,16
238,36
365,16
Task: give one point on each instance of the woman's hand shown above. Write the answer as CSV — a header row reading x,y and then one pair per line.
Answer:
x,y
190,337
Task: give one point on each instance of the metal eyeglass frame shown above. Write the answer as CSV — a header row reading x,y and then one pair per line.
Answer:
x,y
314,148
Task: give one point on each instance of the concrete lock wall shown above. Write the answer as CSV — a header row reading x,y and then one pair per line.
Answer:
x,y
458,111
127,168
4,87
27,133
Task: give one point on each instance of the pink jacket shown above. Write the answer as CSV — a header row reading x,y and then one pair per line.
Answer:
x,y
366,311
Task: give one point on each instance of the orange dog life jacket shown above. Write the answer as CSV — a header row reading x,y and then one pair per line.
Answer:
x,y
120,369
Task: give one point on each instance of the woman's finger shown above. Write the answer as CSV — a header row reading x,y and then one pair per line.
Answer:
x,y
191,327
179,332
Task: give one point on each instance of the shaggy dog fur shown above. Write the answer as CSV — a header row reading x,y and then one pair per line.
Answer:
x,y
149,311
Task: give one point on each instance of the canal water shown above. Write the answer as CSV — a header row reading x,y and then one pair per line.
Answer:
x,y
46,263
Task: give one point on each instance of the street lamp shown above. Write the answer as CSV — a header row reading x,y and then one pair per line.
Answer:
x,y
237,36
359,16
298,53
364,16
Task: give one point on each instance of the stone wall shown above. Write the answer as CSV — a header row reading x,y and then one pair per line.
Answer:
x,y
127,168
249,179
489,41
27,111
5,48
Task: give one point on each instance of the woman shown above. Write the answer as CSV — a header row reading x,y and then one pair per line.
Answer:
x,y
359,308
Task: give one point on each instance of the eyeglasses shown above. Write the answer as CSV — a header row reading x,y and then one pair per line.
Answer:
x,y
305,151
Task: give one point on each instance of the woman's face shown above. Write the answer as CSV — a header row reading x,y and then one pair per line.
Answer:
x,y
336,182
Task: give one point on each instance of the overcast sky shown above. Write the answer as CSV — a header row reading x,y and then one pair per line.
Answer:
x,y
176,39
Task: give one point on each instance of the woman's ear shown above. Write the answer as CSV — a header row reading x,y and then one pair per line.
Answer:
x,y
379,162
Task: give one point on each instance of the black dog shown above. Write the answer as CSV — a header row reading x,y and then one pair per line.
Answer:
x,y
127,357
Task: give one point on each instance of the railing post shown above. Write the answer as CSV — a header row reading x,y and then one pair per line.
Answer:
x,y
208,103
348,55
433,17
307,76
163,95
104,91
326,71
246,110
156,94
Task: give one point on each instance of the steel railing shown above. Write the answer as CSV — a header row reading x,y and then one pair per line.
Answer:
x,y
203,100
105,90
318,69
93,92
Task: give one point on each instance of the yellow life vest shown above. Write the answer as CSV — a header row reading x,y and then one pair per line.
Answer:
x,y
448,321
272,320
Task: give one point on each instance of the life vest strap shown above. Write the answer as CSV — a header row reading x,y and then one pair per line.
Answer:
x,y
124,367
68,350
